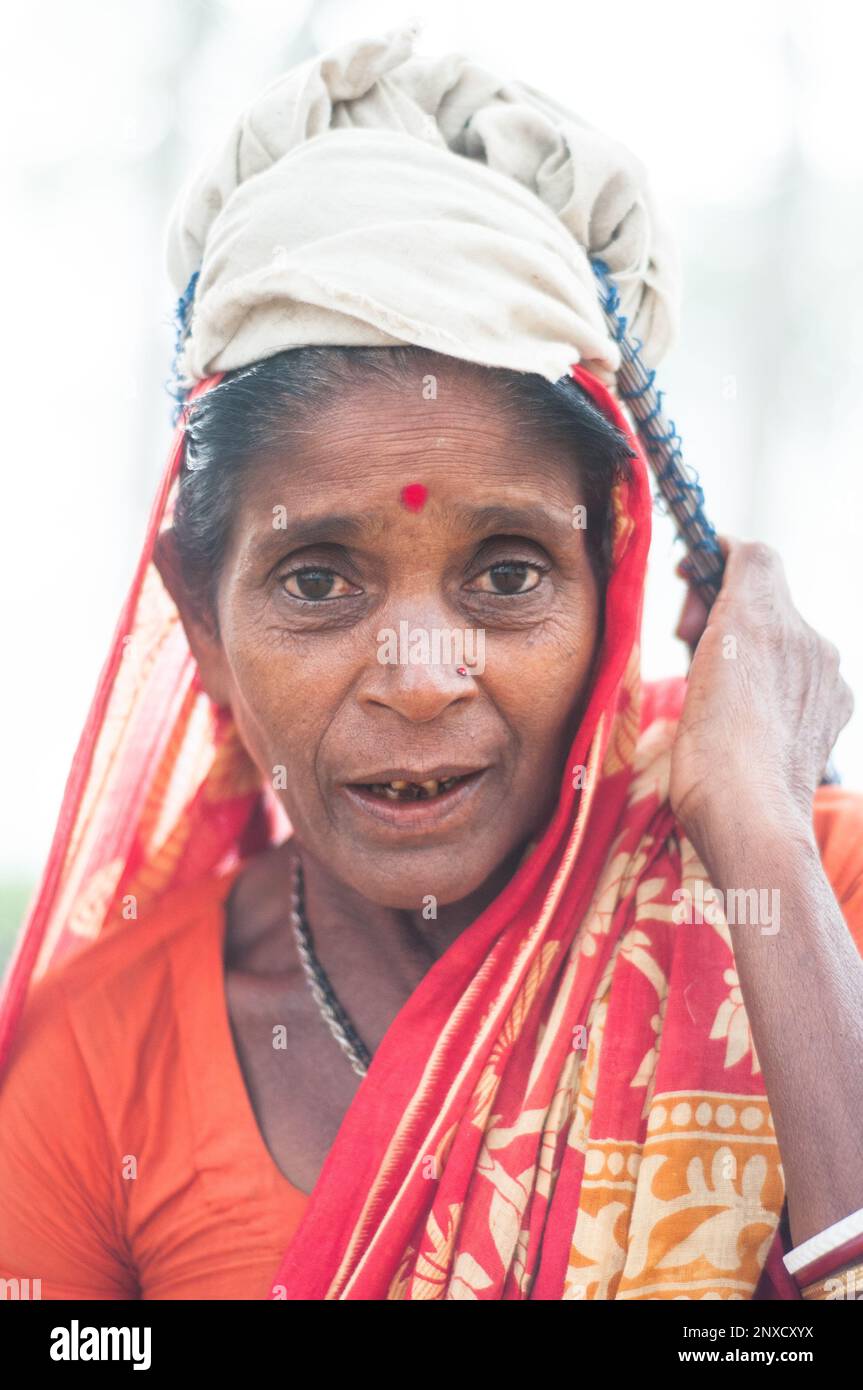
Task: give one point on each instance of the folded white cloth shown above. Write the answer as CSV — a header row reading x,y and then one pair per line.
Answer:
x,y
373,197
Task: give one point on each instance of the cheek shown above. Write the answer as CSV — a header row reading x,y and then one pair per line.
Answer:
x,y
548,678
280,703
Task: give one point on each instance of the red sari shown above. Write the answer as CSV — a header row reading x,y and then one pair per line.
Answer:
x,y
569,1105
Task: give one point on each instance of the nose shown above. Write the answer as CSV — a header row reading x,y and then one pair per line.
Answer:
x,y
418,672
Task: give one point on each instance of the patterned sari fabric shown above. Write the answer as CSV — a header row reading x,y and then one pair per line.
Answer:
x,y
569,1106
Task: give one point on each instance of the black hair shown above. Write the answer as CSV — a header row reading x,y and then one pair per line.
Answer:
x,y
256,408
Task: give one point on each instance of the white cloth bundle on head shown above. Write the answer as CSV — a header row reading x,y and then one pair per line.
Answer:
x,y
373,197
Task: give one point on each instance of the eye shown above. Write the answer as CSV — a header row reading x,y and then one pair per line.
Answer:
x,y
510,577
314,584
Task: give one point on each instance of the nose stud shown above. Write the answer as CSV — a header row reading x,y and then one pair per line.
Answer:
x,y
461,670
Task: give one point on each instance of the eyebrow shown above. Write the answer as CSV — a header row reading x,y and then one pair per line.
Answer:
x,y
477,519
336,527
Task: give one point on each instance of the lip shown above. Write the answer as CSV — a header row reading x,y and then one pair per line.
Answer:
x,y
448,810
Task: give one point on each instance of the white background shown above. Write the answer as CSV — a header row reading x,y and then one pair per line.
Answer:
x,y
748,116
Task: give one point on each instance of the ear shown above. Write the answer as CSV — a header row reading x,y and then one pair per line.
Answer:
x,y
200,629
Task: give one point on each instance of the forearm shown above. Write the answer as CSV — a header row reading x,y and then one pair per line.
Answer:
x,y
803,990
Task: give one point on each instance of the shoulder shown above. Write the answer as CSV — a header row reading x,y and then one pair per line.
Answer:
x,y
142,944
83,1080
838,823
107,989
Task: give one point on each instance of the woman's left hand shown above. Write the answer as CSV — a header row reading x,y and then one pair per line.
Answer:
x,y
764,705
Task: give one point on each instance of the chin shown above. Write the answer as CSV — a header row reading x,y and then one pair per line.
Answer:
x,y
408,880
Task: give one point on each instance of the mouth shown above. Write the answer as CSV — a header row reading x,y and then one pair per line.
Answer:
x,y
405,799
402,790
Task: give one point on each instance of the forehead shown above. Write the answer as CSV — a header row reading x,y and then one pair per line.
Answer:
x,y
390,440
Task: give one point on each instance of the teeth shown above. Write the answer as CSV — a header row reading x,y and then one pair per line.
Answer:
x,y
413,791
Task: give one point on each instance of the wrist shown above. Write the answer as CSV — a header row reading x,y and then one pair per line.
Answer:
x,y
747,826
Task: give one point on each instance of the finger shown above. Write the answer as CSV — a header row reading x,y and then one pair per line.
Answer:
x,y
755,570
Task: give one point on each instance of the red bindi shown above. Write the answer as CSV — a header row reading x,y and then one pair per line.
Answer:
x,y
414,496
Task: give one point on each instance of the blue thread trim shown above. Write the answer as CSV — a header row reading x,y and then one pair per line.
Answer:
x,y
682,480
636,395
182,318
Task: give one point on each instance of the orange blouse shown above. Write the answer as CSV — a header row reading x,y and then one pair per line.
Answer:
x,y
131,1162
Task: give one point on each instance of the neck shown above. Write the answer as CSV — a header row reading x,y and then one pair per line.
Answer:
x,y
328,900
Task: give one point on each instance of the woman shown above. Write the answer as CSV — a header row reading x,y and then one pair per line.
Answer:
x,y
401,985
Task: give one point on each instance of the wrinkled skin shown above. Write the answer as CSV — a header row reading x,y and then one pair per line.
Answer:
x,y
302,675
765,702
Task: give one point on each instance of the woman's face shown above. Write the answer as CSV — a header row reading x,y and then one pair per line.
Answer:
x,y
345,606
